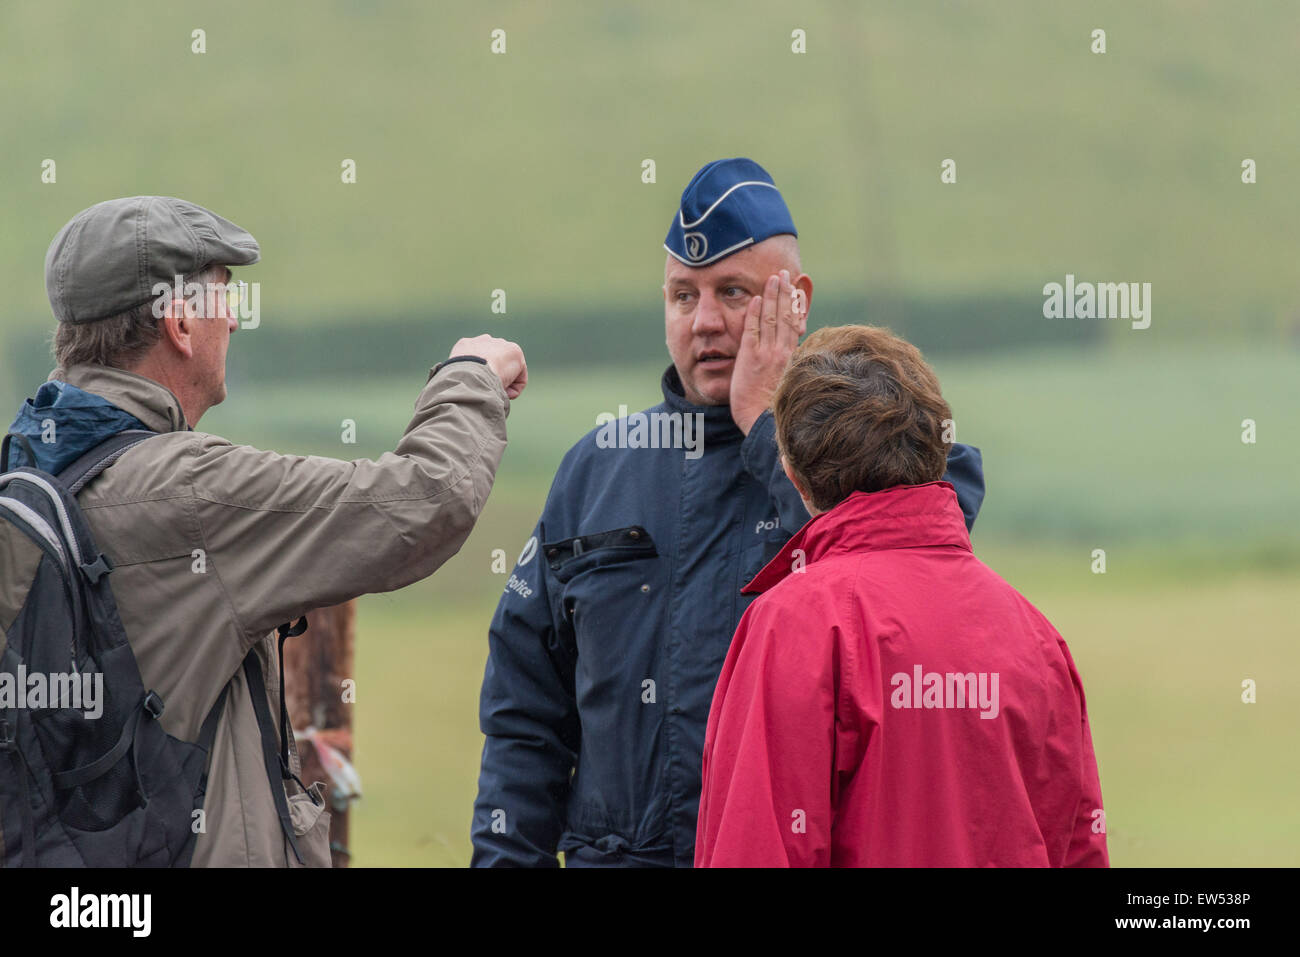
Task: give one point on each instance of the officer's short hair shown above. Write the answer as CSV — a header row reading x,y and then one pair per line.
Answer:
x,y
119,341
858,409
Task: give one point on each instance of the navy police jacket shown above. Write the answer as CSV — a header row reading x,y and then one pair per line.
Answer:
x,y
607,643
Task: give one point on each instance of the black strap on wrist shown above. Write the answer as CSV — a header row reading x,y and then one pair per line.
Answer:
x,y
438,367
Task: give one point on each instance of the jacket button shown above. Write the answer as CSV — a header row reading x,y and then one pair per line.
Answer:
x,y
644,589
552,552
634,534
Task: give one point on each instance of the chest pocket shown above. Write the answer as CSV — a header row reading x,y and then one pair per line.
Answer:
x,y
573,556
607,580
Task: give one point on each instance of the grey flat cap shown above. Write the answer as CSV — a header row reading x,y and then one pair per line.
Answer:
x,y
108,258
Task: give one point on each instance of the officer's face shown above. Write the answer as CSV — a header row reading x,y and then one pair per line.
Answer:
x,y
704,314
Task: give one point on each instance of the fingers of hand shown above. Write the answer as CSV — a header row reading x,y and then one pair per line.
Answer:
x,y
752,313
771,293
519,384
785,296
793,319
787,313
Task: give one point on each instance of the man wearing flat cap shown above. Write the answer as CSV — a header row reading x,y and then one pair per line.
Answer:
x,y
214,545
608,641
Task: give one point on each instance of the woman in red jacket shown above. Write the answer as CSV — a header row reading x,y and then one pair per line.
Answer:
x,y
889,700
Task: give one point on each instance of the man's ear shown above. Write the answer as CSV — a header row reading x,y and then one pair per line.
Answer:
x,y
804,283
177,326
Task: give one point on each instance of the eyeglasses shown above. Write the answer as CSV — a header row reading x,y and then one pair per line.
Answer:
x,y
236,294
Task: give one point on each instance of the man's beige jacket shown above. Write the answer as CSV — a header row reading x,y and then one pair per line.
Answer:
x,y
214,545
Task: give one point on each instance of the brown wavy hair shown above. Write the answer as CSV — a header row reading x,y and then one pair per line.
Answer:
x,y
858,409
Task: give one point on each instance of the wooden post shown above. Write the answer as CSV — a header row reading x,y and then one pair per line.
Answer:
x,y
316,665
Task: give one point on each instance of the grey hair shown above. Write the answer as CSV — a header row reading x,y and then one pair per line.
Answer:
x,y
120,341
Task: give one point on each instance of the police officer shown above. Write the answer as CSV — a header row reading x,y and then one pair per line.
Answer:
x,y
607,642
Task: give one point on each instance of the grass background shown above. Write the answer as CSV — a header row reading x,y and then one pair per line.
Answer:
x,y
523,172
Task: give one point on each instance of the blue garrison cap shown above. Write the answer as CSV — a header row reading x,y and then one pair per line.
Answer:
x,y
727,205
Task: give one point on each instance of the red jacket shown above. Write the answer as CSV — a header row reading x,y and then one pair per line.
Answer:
x,y
891,701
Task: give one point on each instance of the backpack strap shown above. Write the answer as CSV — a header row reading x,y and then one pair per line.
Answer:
x,y
277,768
9,743
150,704
208,735
84,470
4,449
286,630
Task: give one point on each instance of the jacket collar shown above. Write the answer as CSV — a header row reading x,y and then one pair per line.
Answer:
x,y
151,403
718,423
905,516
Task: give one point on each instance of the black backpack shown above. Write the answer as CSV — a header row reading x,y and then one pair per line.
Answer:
x,y
112,790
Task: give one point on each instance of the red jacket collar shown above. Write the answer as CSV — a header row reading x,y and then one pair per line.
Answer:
x,y
905,516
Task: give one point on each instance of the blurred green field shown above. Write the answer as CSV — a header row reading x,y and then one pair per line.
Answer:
x,y
1089,447
1141,458
523,172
